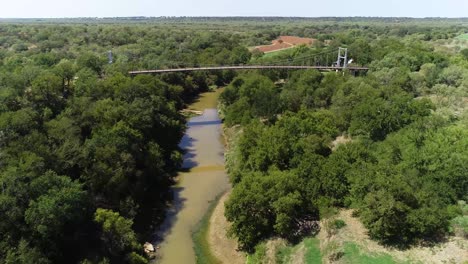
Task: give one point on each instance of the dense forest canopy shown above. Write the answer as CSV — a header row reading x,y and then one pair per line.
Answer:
x,y
88,153
403,165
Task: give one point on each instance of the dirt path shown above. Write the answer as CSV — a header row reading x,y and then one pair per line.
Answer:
x,y
221,246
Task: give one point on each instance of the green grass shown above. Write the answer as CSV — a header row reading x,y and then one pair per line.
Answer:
x,y
277,53
459,224
352,254
284,253
259,255
463,36
312,254
338,223
200,237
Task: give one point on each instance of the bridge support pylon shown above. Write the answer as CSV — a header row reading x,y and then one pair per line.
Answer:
x,y
342,57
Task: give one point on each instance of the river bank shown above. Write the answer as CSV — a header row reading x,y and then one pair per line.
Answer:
x,y
219,245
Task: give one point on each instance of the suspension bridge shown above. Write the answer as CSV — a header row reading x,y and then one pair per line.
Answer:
x,y
319,61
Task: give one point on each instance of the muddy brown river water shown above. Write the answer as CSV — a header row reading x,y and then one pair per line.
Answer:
x,y
205,180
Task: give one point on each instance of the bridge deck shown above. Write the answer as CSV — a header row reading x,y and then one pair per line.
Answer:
x,y
248,67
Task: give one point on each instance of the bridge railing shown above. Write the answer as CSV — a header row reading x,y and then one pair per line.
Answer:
x,y
320,61
247,67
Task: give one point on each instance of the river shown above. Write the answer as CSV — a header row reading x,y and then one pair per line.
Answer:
x,y
196,188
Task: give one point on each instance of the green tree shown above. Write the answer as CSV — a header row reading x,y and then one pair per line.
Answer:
x,y
25,254
464,53
240,55
91,61
262,205
59,201
47,92
117,232
66,70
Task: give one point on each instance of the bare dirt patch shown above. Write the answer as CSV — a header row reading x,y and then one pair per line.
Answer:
x,y
284,42
273,47
340,140
222,247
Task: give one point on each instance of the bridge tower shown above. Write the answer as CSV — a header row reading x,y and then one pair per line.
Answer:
x,y
110,57
342,57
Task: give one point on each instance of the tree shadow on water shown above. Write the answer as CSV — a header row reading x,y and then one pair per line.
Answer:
x,y
172,212
176,202
187,144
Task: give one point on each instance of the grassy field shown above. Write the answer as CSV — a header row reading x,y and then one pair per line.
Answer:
x,y
463,36
308,251
312,254
350,244
352,254
259,255
199,237
278,52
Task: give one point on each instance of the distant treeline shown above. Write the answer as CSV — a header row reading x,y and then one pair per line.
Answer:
x,y
257,19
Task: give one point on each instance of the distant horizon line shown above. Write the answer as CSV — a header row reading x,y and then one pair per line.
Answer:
x,y
229,16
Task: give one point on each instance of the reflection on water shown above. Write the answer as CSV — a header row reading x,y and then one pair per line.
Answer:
x,y
205,179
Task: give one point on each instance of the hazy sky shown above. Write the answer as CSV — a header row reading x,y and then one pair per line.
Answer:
x,y
306,8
